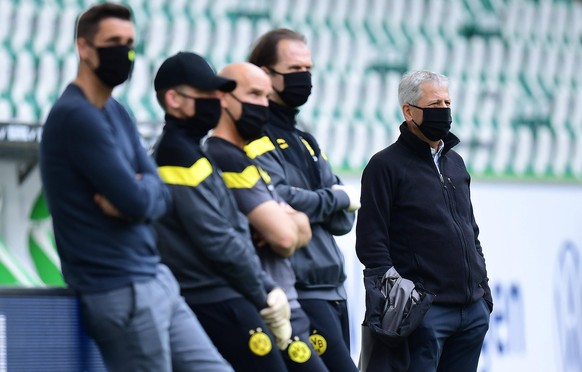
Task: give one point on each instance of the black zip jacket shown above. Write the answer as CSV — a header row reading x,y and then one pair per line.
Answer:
x,y
203,238
421,222
303,178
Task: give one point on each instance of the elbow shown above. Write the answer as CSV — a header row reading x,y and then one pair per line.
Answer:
x,y
285,245
149,204
305,237
136,210
145,209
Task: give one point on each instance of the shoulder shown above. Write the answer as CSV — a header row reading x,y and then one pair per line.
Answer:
x,y
71,107
179,165
259,147
389,155
116,108
228,157
456,159
175,150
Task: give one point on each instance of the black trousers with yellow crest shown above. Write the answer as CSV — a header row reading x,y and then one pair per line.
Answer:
x,y
240,335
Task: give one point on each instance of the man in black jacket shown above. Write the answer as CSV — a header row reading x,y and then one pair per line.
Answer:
x,y
203,238
417,217
304,179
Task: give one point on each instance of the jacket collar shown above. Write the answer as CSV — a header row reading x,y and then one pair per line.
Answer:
x,y
174,123
418,145
282,116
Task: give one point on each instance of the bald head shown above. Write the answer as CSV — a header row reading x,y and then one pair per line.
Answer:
x,y
250,79
253,87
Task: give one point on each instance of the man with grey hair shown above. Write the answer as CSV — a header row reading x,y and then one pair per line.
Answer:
x,y
417,217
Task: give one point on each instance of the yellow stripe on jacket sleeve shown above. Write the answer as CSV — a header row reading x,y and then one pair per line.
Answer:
x,y
259,147
243,180
192,176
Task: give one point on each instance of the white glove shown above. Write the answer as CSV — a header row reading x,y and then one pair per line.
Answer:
x,y
282,334
352,193
277,317
277,310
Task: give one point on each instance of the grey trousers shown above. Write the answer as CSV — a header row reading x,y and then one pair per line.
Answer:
x,y
147,326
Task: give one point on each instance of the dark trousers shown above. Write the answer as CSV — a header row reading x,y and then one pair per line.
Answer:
x,y
330,334
300,354
449,339
240,335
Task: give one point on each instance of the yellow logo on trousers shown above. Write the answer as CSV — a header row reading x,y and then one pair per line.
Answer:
x,y
299,352
319,343
259,342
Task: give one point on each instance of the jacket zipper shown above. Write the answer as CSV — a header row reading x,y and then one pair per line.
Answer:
x,y
452,209
464,242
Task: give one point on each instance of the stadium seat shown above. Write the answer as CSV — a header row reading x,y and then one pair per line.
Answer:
x,y
563,145
241,40
523,151
181,25
156,37
529,48
371,92
45,28
6,16
47,83
339,143
64,44
6,110
502,149
202,42
22,27
576,163
6,63
543,152
358,145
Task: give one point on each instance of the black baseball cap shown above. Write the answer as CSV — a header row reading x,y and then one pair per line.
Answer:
x,y
190,69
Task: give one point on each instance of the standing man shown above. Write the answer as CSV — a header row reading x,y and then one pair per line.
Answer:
x,y
103,193
417,217
203,238
279,229
304,179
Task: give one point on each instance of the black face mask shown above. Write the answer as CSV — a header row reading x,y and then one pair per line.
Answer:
x,y
297,87
436,122
206,116
253,119
115,64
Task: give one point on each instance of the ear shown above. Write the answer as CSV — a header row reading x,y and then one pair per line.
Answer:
x,y
222,97
171,99
84,48
406,112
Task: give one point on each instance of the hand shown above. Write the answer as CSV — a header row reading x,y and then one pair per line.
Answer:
x,y
258,239
277,310
287,208
106,206
282,333
352,193
277,317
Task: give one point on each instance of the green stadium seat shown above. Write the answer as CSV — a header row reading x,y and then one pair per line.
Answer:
x,y
502,149
488,47
358,144
47,83
563,144
340,141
